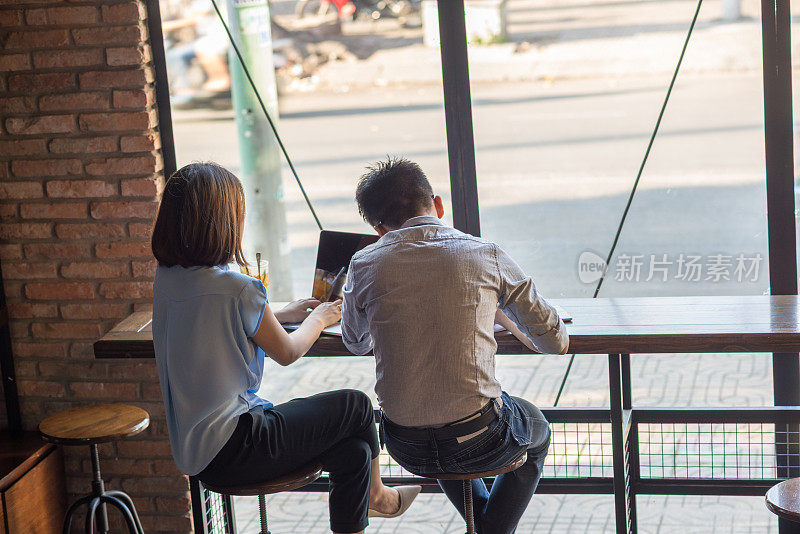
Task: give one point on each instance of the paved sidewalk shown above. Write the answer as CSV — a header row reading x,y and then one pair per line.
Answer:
x,y
551,39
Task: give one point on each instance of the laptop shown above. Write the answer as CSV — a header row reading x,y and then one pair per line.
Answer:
x,y
334,252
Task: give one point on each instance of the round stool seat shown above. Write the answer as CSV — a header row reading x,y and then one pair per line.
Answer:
x,y
291,481
783,500
94,424
515,464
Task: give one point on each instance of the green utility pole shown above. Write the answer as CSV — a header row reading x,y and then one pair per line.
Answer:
x,y
265,229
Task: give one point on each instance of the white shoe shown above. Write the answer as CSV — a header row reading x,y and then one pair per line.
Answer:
x,y
407,496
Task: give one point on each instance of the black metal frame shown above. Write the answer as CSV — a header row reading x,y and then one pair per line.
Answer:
x,y
626,482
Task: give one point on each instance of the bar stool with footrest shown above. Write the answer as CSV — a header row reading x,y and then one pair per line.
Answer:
x,y
783,500
467,478
291,481
90,425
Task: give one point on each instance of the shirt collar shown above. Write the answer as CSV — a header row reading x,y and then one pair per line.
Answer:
x,y
422,220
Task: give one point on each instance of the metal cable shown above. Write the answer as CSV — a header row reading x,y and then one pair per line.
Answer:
x,y
266,113
636,182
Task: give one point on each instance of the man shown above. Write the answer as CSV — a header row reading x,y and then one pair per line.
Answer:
x,y
425,298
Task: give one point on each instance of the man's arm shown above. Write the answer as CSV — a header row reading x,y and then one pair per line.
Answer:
x,y
355,326
520,301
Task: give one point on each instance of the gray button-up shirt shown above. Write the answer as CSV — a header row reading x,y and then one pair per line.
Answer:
x,y
424,299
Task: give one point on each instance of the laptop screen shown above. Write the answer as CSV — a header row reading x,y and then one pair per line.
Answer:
x,y
334,252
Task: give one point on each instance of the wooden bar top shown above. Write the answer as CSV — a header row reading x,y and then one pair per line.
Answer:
x,y
759,323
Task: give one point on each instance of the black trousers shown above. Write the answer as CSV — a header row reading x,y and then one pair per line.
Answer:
x,y
336,427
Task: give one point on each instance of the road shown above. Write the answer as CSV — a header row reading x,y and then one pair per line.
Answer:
x,y
556,162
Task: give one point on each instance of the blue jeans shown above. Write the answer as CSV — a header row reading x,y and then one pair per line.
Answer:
x,y
520,426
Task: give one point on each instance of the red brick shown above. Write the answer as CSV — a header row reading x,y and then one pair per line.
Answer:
x,y
61,210
162,523
126,290
13,289
104,35
138,369
70,330
123,13
31,310
36,39
38,350
19,147
127,55
59,290
42,124
19,329
129,165
100,269
89,230
48,82
25,231
40,388
140,229
142,269
24,369
165,467
48,59
123,210
124,249
113,78
80,189
50,369
133,99
51,16
9,212
10,252
20,190
46,167
81,351
12,62
114,122
74,102
18,104
104,390
68,251
70,145
173,505
26,271
140,143
95,311
10,17
144,449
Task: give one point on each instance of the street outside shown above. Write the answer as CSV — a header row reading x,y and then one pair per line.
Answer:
x,y
562,116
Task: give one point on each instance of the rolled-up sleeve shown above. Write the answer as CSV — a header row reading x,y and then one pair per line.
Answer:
x,y
521,302
355,326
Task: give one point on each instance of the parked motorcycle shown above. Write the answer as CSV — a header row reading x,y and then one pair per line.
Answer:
x,y
354,9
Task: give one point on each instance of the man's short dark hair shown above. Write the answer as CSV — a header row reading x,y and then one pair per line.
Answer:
x,y
393,191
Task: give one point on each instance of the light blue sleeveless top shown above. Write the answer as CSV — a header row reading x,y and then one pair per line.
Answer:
x,y
210,370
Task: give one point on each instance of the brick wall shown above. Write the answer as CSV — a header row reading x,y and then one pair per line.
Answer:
x,y
79,177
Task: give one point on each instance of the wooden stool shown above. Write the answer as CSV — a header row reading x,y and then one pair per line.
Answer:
x,y
292,481
783,500
466,479
91,425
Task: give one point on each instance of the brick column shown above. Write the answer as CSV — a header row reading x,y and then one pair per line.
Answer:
x,y
80,172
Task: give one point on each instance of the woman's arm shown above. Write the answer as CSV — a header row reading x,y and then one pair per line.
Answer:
x,y
286,348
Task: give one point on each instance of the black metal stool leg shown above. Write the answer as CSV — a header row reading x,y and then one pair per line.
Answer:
x,y
262,512
126,499
91,515
468,512
72,509
98,489
126,513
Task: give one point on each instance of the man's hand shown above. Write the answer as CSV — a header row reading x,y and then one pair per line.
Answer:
x,y
297,311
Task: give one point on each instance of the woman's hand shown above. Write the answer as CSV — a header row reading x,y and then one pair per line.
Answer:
x,y
327,313
297,311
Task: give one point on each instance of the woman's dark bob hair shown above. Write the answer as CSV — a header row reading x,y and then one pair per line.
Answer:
x,y
200,219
